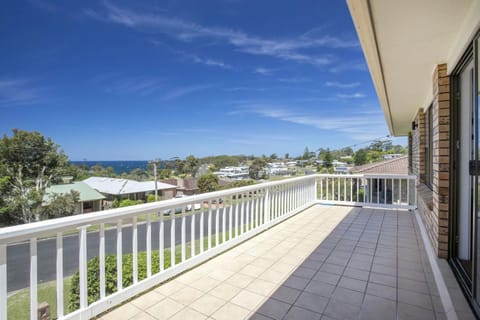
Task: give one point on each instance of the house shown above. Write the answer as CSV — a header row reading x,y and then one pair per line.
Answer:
x,y
392,166
277,169
381,188
114,188
89,199
186,186
233,173
423,57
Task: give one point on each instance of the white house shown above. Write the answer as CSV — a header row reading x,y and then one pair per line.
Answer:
x,y
129,189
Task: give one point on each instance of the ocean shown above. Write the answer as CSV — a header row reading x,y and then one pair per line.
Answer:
x,y
119,166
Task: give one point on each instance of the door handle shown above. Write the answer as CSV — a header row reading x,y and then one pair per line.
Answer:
x,y
474,167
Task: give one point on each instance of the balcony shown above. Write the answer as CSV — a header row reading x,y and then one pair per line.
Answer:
x,y
331,246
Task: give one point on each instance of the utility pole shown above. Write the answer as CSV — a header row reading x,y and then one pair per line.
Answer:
x,y
155,163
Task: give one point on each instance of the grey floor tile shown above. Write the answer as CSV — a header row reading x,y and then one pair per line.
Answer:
x,y
409,312
348,296
297,313
413,285
332,268
327,277
302,272
415,298
274,309
296,282
341,310
352,284
356,273
384,279
321,288
377,308
286,294
382,291
312,302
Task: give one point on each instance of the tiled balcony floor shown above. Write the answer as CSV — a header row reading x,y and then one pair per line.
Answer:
x,y
328,262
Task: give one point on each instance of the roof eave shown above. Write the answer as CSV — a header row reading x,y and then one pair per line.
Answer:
x,y
363,21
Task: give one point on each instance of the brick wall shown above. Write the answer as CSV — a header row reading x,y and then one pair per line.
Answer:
x,y
418,147
433,205
441,153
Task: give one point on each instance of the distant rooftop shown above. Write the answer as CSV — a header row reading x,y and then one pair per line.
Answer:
x,y
86,192
124,186
394,166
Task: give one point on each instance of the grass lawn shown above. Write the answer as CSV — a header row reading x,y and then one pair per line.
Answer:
x,y
18,304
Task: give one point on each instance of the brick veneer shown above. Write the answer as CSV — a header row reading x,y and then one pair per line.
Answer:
x,y
433,205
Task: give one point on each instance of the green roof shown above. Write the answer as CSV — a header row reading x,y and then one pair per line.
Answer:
x,y
86,192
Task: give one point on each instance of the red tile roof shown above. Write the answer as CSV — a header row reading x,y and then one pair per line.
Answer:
x,y
395,166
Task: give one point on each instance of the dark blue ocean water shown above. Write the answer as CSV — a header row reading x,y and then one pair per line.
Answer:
x,y
118,166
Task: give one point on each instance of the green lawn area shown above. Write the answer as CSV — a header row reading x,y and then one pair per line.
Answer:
x,y
18,304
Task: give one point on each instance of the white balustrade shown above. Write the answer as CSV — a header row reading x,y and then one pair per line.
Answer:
x,y
231,216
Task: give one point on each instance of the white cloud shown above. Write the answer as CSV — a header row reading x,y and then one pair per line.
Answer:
x,y
355,95
263,71
349,66
20,91
210,62
183,91
357,126
336,84
285,49
294,80
120,83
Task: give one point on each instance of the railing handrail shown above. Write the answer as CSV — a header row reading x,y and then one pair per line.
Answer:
x,y
26,231
35,229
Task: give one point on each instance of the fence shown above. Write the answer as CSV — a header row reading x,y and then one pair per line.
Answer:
x,y
146,244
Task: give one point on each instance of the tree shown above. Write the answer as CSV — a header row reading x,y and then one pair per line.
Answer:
x,y
360,157
287,156
306,154
256,169
29,164
208,183
191,165
327,159
60,205
273,156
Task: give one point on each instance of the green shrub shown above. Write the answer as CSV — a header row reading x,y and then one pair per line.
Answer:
x,y
151,198
128,203
93,275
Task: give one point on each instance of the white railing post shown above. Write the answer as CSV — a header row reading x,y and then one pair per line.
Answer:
x,y
161,242
59,268
148,244
101,258
217,222
192,233
33,279
119,255
134,250
202,225
83,268
3,282
183,235
266,208
172,238
230,219
209,228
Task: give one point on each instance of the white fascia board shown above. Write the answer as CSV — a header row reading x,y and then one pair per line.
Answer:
x,y
360,13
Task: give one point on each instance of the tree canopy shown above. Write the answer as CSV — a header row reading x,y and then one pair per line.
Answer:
x,y
208,183
29,163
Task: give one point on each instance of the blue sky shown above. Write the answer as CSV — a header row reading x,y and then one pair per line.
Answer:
x,y
131,80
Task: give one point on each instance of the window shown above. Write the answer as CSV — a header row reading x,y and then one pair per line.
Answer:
x,y
429,148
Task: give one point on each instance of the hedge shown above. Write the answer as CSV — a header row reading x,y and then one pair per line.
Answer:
x,y
93,275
